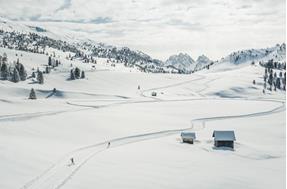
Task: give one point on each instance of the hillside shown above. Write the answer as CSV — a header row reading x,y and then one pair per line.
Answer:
x,y
121,121
36,39
241,58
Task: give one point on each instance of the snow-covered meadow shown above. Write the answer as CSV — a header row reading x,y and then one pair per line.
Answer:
x,y
38,137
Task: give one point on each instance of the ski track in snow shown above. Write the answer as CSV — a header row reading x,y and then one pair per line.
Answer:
x,y
170,86
26,116
93,150
88,152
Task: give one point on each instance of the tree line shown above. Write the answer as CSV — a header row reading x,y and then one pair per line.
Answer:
x,y
13,72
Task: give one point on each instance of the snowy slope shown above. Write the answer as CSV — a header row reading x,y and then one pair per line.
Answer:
x,y
114,104
242,58
39,137
277,53
12,26
36,39
181,63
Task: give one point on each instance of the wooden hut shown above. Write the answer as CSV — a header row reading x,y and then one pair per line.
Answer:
x,y
188,137
224,138
153,93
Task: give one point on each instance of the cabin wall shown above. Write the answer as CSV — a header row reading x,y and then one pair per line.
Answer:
x,y
187,140
229,144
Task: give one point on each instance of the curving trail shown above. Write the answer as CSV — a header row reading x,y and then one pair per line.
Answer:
x,y
59,173
26,116
200,77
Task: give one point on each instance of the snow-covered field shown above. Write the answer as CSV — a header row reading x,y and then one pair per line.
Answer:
x,y
38,137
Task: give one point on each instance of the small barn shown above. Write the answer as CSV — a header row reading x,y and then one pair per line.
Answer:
x,y
188,137
224,138
153,93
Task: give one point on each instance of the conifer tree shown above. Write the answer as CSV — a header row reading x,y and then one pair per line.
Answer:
x,y
47,69
77,73
4,71
83,75
40,77
284,82
22,72
72,75
278,83
32,94
50,61
15,76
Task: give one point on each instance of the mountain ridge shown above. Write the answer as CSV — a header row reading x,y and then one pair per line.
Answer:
x,y
13,32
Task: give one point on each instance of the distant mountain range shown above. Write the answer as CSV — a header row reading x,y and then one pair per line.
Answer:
x,y
187,64
277,53
36,39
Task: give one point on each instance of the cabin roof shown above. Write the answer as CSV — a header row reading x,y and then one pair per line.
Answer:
x,y
188,135
224,135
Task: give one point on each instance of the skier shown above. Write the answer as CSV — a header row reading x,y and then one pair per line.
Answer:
x,y
72,161
108,144
139,87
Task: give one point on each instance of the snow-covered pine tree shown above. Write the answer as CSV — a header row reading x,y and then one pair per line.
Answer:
x,y
77,73
40,77
83,75
72,75
50,61
284,82
22,72
270,79
17,66
5,58
47,69
4,71
15,76
32,94
278,83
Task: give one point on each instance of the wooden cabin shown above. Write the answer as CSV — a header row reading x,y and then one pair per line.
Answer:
x,y
224,138
188,137
153,94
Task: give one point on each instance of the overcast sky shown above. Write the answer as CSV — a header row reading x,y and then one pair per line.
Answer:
x,y
161,27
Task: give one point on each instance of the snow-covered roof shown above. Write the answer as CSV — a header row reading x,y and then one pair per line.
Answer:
x,y
188,135
224,135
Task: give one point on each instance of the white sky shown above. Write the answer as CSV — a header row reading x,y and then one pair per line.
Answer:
x,y
161,28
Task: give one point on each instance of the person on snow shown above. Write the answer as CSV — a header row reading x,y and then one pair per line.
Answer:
x,y
109,144
72,161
